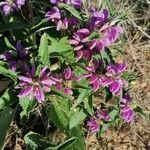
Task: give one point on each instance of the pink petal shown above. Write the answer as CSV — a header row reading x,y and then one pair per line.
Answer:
x,y
67,73
68,91
25,92
48,82
25,79
39,95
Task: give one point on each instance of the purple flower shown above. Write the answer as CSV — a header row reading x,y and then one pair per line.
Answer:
x,y
19,3
62,24
67,78
80,42
95,82
113,79
33,86
127,113
16,59
110,35
8,7
93,125
98,18
94,122
68,73
103,114
54,14
92,75
54,1
125,100
85,47
116,69
75,3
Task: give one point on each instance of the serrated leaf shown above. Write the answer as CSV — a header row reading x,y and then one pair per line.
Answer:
x,y
69,56
7,99
43,52
59,46
88,105
78,116
58,113
80,143
84,94
35,141
6,117
8,73
27,105
71,9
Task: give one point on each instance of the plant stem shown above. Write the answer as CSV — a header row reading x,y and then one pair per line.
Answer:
x,y
33,37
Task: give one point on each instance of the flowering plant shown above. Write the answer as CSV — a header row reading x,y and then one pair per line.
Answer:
x,y
63,68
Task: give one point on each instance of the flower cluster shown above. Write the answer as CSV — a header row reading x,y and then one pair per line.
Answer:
x,y
16,59
99,117
64,85
75,3
89,39
62,22
36,86
9,6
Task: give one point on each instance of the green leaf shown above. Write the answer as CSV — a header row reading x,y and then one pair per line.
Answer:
x,y
140,111
106,57
94,35
78,116
6,117
13,26
111,7
43,52
58,113
69,56
59,46
8,73
88,105
35,141
9,45
71,9
7,99
67,144
84,94
27,106
80,143
113,115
